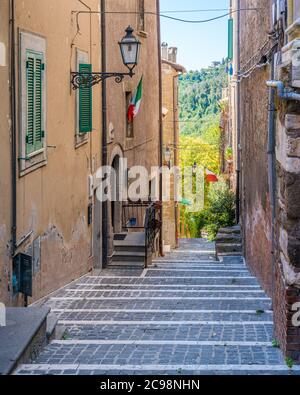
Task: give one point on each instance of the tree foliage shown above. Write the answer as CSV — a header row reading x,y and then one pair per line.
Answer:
x,y
199,97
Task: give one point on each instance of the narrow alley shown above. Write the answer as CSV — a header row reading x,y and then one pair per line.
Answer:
x,y
186,314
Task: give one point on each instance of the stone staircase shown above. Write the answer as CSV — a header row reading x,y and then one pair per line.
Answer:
x,y
229,242
186,314
129,250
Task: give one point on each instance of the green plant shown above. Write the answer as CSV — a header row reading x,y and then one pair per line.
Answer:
x,y
275,343
259,312
65,335
229,153
289,362
220,211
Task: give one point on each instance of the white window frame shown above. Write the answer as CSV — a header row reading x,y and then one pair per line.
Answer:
x,y
31,42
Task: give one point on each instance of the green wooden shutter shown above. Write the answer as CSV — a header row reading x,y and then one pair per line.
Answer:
x,y
230,39
35,133
39,133
85,103
30,105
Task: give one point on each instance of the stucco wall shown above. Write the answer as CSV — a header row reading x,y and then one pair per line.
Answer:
x,y
52,201
143,148
5,196
171,141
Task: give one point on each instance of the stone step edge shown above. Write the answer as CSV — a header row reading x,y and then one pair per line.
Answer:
x,y
158,368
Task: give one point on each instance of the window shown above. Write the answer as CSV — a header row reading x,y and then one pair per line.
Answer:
x,y
34,97
33,153
141,15
129,125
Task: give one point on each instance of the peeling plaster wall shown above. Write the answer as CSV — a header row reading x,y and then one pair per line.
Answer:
x,y
52,201
5,188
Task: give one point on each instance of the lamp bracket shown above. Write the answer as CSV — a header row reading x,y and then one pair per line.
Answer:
x,y
87,80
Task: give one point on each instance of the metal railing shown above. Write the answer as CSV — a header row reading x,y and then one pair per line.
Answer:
x,y
153,223
143,217
133,216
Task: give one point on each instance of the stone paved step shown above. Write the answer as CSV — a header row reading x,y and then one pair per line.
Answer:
x,y
146,303
167,370
165,316
157,353
211,280
188,314
197,273
162,293
197,331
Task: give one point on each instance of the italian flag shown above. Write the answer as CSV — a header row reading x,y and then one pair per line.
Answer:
x,y
210,176
136,102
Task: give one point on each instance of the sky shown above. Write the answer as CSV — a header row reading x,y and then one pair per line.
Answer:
x,y
198,44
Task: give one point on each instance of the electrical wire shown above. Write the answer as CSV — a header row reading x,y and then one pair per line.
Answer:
x,y
228,13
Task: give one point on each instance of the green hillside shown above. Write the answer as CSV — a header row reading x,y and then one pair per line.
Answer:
x,y
199,96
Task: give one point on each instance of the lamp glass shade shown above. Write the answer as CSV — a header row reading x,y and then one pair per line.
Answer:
x,y
130,48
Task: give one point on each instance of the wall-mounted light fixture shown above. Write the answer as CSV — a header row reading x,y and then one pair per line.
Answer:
x,y
130,51
167,157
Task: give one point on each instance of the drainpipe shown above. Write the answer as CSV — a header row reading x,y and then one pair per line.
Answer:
x,y
160,118
104,133
283,93
272,173
175,93
13,130
238,100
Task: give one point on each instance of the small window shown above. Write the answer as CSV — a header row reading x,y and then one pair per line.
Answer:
x,y
129,124
141,15
33,114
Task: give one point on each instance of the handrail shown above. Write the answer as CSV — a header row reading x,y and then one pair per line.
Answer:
x,y
153,223
143,216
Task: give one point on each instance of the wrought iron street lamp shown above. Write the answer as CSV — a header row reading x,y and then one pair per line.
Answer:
x,y
130,51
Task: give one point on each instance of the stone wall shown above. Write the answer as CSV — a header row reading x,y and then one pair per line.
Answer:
x,y
280,276
255,201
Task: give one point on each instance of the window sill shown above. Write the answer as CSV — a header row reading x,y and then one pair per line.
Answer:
x,y
80,142
29,168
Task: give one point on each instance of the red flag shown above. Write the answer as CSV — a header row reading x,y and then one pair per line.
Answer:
x,y
210,176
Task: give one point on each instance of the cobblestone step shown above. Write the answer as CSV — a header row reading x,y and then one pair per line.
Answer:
x,y
237,304
162,293
211,280
165,315
128,287
167,370
187,314
194,331
160,353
